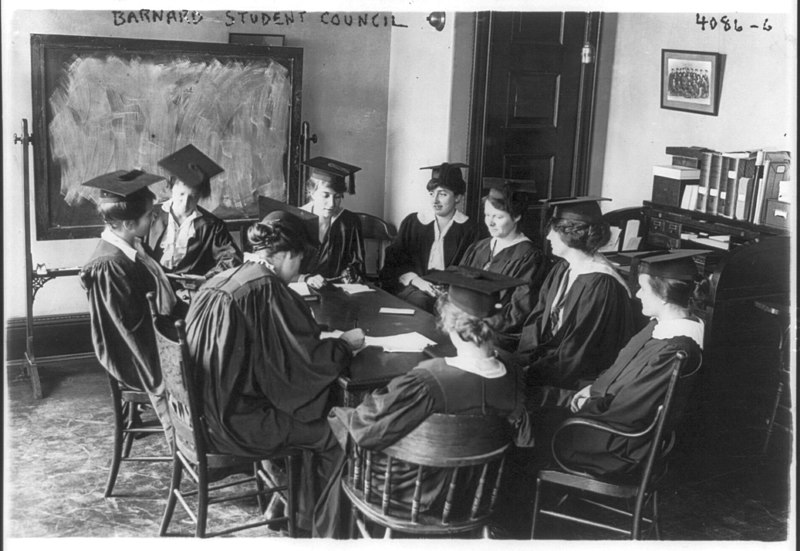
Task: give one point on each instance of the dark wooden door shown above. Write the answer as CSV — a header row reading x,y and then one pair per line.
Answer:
x,y
532,102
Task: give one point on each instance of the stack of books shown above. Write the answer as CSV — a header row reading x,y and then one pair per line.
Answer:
x,y
742,185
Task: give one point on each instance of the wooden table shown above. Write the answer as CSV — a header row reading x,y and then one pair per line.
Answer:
x,y
372,367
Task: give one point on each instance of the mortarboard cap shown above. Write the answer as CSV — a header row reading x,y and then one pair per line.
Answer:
x,y
474,291
499,188
334,172
448,176
190,165
304,223
579,209
121,185
677,264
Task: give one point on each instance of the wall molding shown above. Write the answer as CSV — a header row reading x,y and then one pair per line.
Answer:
x,y
55,337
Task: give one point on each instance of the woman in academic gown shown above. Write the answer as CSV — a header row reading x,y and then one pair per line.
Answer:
x,y
184,237
427,241
584,315
474,382
117,279
340,255
627,394
265,372
509,252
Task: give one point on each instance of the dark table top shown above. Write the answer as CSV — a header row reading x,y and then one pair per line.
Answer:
x,y
372,367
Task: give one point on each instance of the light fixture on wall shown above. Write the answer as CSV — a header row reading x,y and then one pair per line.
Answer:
x,y
436,19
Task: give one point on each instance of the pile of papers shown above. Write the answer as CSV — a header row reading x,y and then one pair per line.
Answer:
x,y
404,342
354,288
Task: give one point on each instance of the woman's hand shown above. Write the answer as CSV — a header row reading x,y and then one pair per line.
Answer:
x,y
579,399
354,337
315,281
425,286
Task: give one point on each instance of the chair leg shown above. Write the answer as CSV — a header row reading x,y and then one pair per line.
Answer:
x,y
202,502
655,515
291,498
536,507
260,488
175,484
129,414
637,516
116,458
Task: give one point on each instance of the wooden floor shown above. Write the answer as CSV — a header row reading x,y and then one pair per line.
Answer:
x,y
58,457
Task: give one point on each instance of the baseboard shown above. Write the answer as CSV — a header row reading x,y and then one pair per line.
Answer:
x,y
58,336
18,368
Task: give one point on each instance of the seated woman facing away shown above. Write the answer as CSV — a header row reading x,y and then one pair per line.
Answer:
x,y
427,241
474,382
117,279
186,238
340,255
584,315
265,372
627,394
509,252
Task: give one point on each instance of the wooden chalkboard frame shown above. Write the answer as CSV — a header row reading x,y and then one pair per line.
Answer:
x,y
46,50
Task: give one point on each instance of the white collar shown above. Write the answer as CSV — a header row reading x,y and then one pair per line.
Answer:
x,y
309,207
685,327
496,246
252,257
600,265
166,206
110,237
426,217
488,368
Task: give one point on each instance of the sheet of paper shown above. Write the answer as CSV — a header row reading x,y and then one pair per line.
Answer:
x,y
404,342
354,288
300,288
402,311
330,334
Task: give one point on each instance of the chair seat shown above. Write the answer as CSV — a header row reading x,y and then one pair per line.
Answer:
x,y
590,484
426,525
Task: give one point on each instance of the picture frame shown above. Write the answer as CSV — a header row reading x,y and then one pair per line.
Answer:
x,y
690,81
255,39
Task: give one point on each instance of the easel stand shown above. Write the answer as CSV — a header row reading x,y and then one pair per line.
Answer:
x,y
30,359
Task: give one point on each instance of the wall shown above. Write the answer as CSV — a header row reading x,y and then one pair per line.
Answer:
x,y
345,94
420,98
757,106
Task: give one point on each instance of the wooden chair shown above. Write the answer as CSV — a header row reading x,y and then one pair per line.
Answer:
x,y
128,426
192,454
377,235
639,489
471,452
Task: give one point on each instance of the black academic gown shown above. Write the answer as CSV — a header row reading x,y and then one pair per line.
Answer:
x,y
387,415
119,315
524,261
341,250
626,397
597,321
265,373
210,251
411,249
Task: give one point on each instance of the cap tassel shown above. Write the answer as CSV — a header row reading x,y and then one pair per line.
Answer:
x,y
351,184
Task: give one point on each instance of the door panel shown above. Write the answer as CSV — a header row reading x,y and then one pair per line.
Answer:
x,y
532,103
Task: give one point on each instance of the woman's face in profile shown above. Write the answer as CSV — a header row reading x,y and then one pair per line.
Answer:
x,y
651,302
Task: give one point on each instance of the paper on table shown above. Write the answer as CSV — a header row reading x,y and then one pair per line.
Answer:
x,y
354,288
405,342
403,311
300,288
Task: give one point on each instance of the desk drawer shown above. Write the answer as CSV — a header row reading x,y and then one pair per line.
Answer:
x,y
777,214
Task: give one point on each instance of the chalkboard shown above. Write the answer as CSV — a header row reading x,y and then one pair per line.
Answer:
x,y
103,104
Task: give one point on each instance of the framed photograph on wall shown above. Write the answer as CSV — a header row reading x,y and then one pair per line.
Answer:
x,y
690,81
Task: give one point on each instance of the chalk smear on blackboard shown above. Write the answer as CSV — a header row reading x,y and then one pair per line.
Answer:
x,y
111,114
